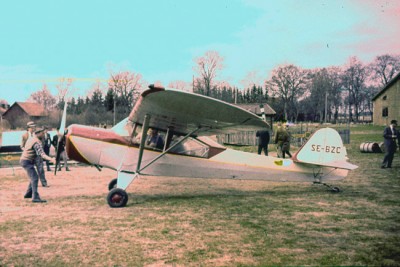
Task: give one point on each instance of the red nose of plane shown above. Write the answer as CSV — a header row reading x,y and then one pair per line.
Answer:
x,y
72,150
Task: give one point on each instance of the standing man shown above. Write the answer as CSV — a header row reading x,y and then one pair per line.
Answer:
x,y
281,136
32,150
39,161
390,134
286,144
263,141
46,146
63,154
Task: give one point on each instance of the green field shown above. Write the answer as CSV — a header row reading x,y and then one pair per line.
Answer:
x,y
196,222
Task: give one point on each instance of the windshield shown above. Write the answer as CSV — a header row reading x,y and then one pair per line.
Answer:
x,y
124,128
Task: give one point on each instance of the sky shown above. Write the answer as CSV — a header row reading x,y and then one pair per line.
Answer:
x,y
43,41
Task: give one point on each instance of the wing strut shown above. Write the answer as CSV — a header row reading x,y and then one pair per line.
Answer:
x,y
125,178
143,140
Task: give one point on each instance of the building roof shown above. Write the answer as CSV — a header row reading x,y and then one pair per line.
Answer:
x,y
389,84
32,109
2,111
255,108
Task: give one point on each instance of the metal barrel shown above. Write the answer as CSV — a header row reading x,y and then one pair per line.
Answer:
x,y
370,147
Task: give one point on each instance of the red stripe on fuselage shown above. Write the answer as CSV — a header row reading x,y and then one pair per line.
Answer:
x,y
93,133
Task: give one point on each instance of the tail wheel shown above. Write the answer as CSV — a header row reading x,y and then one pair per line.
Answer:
x,y
112,184
335,189
117,198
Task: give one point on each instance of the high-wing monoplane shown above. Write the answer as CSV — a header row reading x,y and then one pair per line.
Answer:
x,y
184,121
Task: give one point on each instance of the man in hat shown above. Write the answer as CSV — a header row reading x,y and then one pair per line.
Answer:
x,y
32,150
31,126
390,135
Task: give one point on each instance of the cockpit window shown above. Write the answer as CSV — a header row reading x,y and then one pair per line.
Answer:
x,y
190,147
156,140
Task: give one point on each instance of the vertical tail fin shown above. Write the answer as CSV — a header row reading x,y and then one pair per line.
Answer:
x,y
325,148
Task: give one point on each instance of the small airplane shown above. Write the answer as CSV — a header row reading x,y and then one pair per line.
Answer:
x,y
184,121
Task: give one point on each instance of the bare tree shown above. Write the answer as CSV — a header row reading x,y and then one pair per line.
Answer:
x,y
385,67
207,67
335,99
181,85
43,97
353,79
126,86
288,83
96,87
64,87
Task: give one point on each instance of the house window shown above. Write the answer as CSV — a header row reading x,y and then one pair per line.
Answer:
x,y
384,97
385,112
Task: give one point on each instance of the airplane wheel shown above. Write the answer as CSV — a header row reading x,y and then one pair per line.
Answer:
x,y
117,198
112,184
335,189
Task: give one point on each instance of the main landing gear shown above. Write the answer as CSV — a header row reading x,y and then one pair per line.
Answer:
x,y
117,198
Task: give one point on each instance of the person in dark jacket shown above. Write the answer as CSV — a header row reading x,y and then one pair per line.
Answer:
x,y
155,140
390,135
63,153
46,146
263,141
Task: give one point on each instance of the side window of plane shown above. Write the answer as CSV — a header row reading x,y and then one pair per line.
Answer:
x,y
190,147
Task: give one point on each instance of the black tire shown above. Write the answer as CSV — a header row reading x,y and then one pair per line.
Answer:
x,y
117,198
335,189
112,184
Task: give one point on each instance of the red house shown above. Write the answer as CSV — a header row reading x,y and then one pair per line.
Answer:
x,y
22,112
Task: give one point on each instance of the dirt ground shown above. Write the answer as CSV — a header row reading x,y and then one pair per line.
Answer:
x,y
54,232
79,181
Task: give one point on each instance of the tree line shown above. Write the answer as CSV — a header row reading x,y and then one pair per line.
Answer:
x,y
325,94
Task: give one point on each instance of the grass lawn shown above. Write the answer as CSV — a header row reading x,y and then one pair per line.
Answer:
x,y
197,222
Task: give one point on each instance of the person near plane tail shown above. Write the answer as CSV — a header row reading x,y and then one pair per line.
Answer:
x,y
390,135
286,144
281,136
32,150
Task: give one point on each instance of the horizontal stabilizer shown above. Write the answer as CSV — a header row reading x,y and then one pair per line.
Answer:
x,y
341,165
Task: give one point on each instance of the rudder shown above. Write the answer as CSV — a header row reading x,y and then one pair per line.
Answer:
x,y
325,148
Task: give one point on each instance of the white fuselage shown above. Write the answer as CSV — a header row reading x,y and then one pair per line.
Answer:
x,y
229,164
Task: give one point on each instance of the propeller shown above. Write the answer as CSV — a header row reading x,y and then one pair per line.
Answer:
x,y
61,137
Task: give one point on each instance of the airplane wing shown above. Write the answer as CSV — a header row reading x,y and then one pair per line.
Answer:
x,y
185,112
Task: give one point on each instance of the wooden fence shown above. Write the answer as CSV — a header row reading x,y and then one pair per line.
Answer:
x,y
249,138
